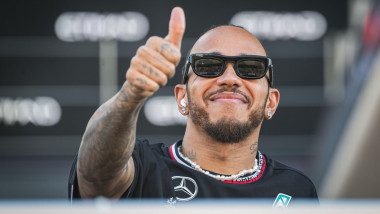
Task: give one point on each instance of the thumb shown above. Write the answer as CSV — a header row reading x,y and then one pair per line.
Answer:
x,y
177,26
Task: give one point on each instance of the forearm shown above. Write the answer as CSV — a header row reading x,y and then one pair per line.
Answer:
x,y
108,143
105,166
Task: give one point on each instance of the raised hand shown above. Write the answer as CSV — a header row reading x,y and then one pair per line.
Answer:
x,y
155,62
105,165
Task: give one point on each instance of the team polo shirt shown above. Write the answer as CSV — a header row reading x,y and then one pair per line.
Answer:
x,y
160,172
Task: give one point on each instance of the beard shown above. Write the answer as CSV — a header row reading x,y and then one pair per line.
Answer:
x,y
226,130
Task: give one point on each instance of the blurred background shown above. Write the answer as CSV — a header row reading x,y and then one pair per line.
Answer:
x,y
59,60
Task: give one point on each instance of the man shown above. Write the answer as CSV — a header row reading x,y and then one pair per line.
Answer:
x,y
226,92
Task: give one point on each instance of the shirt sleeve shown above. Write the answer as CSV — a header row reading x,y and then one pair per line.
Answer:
x,y
142,156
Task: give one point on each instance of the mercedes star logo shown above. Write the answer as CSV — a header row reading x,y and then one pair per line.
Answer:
x,y
186,188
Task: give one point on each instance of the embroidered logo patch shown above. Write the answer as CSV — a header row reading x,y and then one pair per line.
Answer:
x,y
282,200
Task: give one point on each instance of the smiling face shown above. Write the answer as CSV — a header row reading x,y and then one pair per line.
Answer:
x,y
227,107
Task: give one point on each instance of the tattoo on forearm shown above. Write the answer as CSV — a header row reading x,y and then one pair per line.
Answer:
x,y
123,98
107,147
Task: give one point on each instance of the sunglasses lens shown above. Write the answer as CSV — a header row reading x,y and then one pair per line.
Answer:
x,y
252,68
208,67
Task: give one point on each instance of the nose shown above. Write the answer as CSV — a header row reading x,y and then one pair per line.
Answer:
x,y
229,77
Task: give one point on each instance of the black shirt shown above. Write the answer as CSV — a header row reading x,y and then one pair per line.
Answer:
x,y
161,173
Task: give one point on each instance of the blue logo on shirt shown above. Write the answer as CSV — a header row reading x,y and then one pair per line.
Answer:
x,y
282,200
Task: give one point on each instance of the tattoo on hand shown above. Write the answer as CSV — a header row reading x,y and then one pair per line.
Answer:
x,y
141,81
165,47
150,70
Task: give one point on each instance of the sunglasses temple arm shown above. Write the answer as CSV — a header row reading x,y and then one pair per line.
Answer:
x,y
184,72
271,76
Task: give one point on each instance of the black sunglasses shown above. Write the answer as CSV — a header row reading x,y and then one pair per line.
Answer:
x,y
211,65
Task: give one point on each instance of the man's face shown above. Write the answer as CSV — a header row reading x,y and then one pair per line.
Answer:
x,y
228,107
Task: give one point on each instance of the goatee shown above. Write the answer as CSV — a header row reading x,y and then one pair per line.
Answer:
x,y
226,129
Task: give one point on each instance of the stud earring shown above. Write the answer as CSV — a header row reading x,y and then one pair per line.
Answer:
x,y
269,114
183,104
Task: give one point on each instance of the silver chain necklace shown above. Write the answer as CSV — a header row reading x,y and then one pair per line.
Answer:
x,y
218,177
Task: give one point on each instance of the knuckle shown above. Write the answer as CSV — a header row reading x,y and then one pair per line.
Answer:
x,y
160,78
130,74
172,68
135,61
152,87
153,40
177,57
142,50
155,87
163,81
171,73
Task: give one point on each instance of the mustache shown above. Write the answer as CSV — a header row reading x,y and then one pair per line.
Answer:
x,y
233,90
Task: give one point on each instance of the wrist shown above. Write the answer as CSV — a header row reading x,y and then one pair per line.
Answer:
x,y
127,94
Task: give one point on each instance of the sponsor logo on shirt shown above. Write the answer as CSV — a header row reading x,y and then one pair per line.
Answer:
x,y
185,188
282,200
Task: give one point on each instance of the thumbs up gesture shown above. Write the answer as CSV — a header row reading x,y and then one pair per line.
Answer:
x,y
155,62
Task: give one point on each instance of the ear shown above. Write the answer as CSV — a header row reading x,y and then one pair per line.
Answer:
x,y
180,93
272,102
